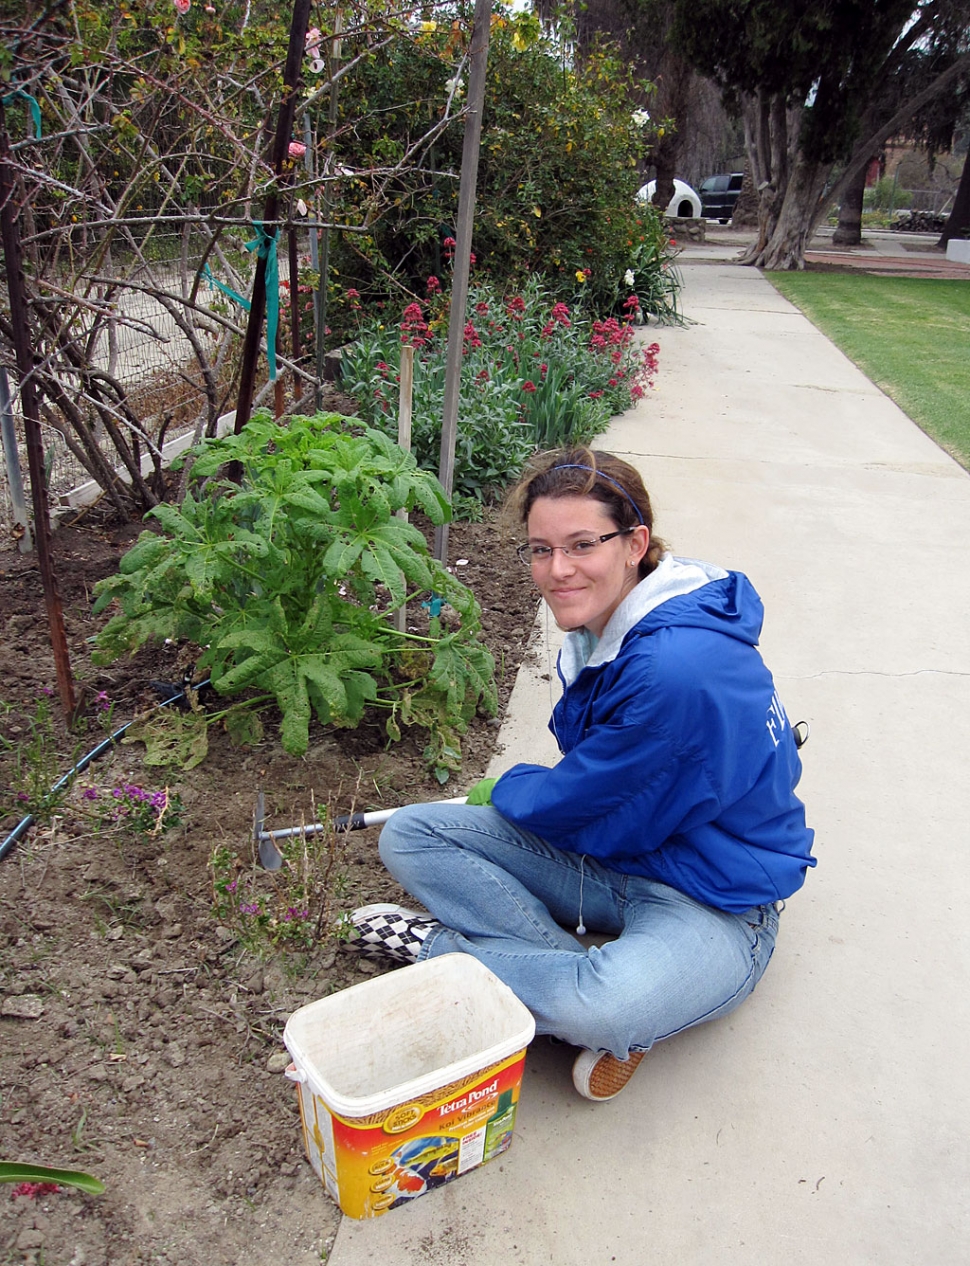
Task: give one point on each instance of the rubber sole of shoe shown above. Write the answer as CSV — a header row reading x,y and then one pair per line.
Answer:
x,y
599,1076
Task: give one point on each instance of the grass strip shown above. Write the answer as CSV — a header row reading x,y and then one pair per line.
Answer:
x,y
909,335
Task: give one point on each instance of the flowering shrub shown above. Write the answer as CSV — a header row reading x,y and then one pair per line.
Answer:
x,y
558,172
136,808
536,373
292,908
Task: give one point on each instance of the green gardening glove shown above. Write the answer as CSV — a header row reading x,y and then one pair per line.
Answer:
x,y
481,793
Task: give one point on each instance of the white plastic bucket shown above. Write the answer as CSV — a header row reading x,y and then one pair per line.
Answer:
x,y
408,1080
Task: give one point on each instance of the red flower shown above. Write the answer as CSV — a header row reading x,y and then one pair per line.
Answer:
x,y
414,328
433,286
470,335
529,386
353,294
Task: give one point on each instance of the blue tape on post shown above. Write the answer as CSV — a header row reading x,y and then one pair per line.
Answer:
x,y
234,295
34,108
264,244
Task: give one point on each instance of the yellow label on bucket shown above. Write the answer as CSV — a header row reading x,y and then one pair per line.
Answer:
x,y
403,1117
375,1163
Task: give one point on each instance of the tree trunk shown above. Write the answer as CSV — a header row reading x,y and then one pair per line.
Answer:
x,y
663,195
793,219
849,229
745,215
769,150
959,220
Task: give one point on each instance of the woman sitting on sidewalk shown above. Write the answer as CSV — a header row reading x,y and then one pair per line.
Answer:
x,y
670,824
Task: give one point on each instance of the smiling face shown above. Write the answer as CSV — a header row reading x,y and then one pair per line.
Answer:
x,y
583,592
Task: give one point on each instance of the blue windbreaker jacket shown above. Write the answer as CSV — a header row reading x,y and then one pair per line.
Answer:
x,y
679,762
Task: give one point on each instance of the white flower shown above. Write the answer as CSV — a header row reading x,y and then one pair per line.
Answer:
x,y
454,86
640,118
628,278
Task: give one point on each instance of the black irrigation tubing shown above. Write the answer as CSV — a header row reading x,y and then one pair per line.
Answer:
x,y
26,823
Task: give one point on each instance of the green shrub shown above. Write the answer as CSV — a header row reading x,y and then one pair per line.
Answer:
x,y
886,195
287,581
557,178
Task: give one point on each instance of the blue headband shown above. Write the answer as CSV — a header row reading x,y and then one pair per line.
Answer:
x,y
599,473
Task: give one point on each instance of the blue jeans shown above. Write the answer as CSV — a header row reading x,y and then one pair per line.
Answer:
x,y
506,897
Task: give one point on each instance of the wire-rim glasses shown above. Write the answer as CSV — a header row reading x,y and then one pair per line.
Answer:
x,y
529,554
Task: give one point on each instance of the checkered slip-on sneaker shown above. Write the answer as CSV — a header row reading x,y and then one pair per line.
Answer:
x,y
388,931
599,1075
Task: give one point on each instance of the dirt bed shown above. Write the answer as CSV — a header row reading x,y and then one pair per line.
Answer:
x,y
139,1039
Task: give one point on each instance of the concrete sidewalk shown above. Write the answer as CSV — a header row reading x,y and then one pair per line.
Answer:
x,y
828,1120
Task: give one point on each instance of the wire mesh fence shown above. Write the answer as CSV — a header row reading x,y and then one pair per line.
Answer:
x,y
138,351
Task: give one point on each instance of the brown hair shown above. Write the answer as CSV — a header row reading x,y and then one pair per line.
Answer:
x,y
586,472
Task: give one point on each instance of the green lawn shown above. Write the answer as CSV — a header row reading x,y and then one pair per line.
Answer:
x,y
909,335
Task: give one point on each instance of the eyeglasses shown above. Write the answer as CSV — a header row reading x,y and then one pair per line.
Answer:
x,y
579,549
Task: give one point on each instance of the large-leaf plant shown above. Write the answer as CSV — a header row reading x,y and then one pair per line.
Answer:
x,y
288,580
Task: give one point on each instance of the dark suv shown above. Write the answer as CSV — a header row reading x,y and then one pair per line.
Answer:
x,y
719,195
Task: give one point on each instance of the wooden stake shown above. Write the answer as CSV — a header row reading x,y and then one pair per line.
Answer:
x,y
404,413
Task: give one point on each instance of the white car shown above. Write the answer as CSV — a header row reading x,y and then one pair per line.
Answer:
x,y
685,204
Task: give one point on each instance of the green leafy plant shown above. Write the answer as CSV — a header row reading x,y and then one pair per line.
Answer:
x,y
288,581
31,1177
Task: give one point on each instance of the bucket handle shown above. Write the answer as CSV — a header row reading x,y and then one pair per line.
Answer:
x,y
292,1073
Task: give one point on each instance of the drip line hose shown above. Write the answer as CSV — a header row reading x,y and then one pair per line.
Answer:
x,y
26,823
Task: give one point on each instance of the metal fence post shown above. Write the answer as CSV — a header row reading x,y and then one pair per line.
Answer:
x,y
11,460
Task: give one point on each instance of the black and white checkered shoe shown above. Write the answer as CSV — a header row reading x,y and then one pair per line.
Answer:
x,y
388,931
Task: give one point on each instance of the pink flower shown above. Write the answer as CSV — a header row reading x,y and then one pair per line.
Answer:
x,y
34,1189
296,148
433,285
183,6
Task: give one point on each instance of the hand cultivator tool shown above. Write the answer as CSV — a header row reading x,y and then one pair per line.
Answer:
x,y
270,856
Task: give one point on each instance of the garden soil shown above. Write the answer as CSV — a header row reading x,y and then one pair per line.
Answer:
x,y
140,1039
